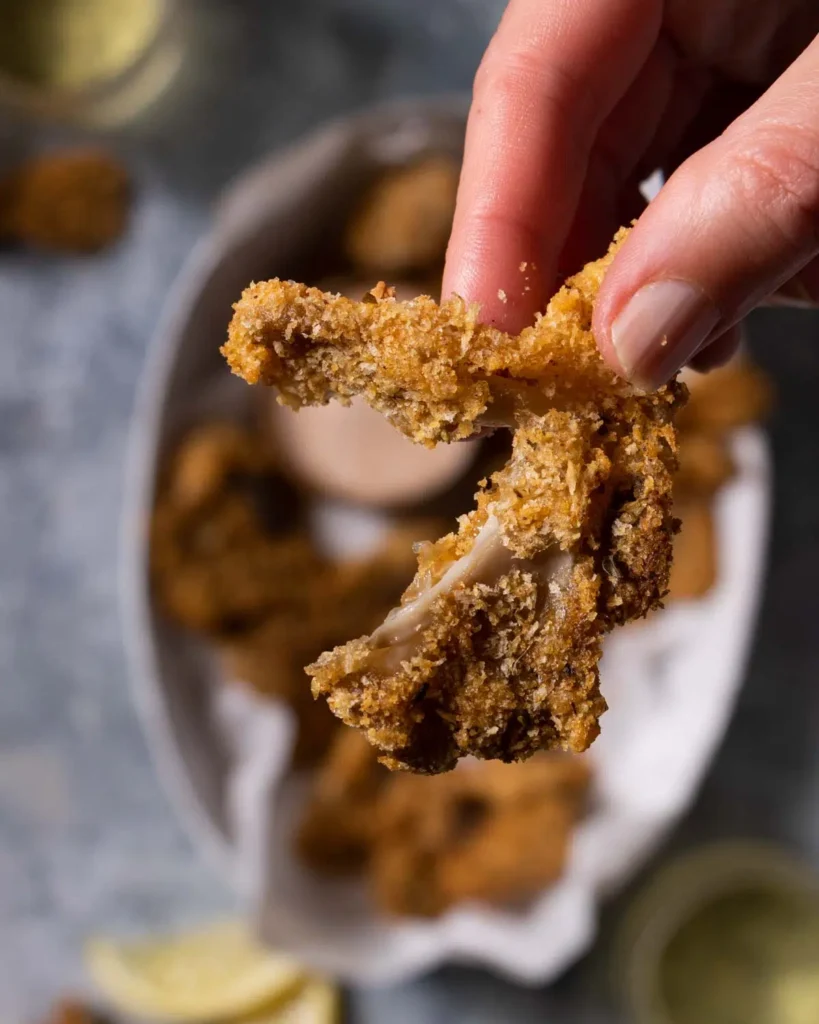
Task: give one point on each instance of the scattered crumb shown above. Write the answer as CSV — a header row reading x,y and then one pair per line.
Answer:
x,y
523,266
501,294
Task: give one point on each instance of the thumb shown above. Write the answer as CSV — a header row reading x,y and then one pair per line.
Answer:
x,y
732,224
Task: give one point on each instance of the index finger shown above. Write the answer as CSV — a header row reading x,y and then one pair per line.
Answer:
x,y
552,73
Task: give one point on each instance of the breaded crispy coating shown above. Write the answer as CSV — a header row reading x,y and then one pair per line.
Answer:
x,y
433,370
494,649
490,832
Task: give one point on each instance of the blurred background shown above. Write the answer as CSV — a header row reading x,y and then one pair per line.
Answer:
x,y
180,99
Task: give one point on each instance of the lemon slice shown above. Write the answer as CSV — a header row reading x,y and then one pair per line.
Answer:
x,y
211,974
316,1002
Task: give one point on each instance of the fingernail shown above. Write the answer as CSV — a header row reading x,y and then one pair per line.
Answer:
x,y
660,329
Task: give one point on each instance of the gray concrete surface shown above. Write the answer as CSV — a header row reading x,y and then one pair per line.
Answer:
x,y
87,840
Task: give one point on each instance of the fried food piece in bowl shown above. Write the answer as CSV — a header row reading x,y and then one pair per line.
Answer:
x,y
705,464
489,832
403,222
337,829
270,660
732,396
696,552
226,548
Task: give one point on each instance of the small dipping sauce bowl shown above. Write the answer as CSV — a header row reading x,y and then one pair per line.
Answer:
x,y
726,935
96,62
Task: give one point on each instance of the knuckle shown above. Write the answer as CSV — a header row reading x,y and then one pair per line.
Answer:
x,y
524,71
776,177
491,221
505,73
510,80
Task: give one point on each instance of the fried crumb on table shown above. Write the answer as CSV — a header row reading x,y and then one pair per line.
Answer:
x,y
73,201
494,650
487,832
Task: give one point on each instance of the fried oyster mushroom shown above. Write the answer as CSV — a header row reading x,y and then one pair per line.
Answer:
x,y
494,649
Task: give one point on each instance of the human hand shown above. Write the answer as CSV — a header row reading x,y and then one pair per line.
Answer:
x,y
576,101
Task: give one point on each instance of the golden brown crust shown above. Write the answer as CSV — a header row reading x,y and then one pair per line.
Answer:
x,y
433,370
494,651
507,666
